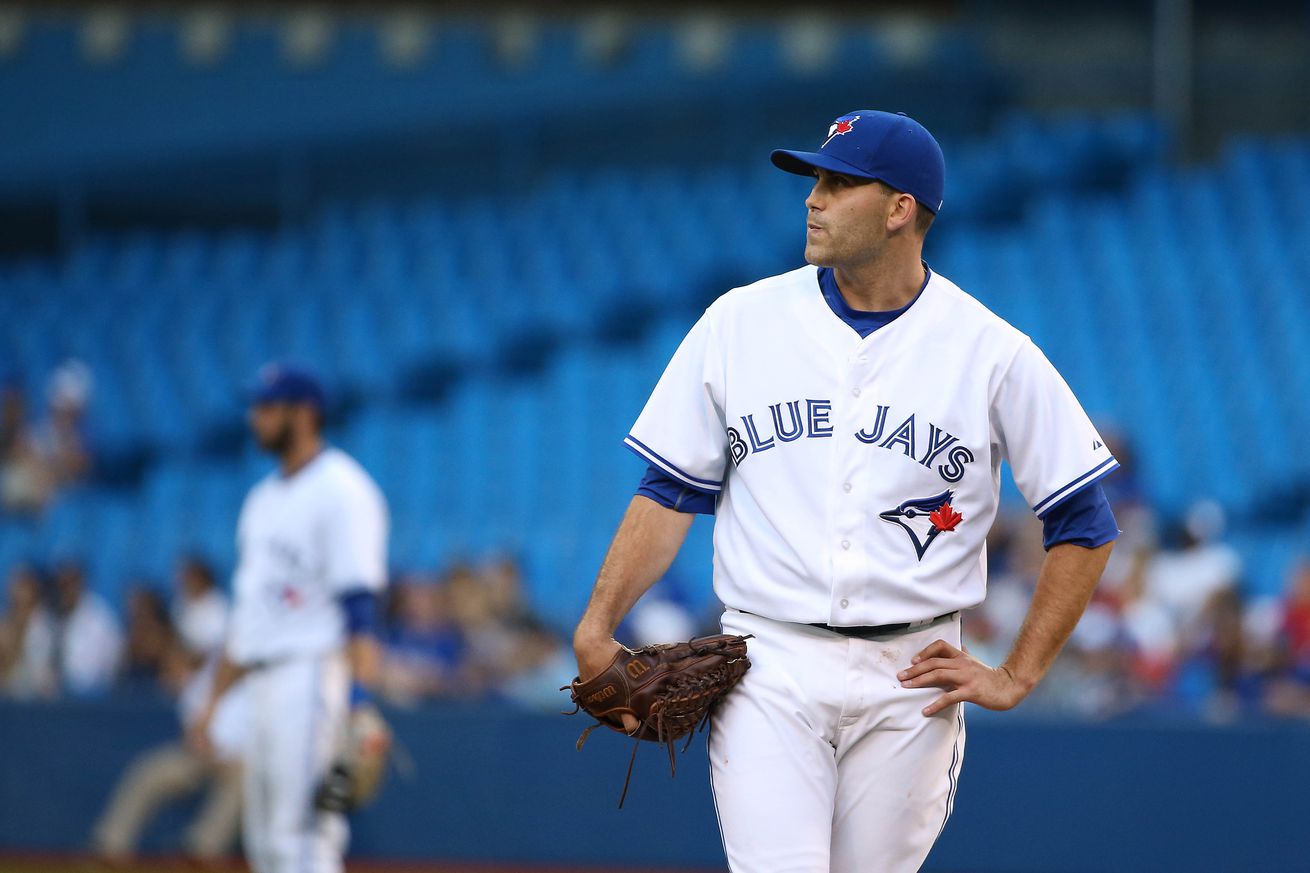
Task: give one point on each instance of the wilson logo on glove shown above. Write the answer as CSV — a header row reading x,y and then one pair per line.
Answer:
x,y
602,695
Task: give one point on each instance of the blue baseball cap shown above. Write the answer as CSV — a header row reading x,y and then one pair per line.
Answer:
x,y
283,383
888,146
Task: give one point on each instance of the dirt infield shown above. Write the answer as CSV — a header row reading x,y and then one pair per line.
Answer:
x,y
71,864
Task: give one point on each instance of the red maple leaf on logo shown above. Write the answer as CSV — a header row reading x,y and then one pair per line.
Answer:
x,y
840,126
945,518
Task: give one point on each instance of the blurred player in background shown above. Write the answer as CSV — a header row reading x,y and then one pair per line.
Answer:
x,y
312,559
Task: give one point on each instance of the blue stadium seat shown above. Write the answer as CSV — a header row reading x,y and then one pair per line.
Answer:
x,y
493,354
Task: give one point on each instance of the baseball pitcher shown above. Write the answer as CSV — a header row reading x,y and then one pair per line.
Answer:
x,y
845,423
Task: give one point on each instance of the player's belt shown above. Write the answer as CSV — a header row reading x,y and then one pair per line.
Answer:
x,y
881,630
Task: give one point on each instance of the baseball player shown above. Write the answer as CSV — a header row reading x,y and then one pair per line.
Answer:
x,y
312,559
845,423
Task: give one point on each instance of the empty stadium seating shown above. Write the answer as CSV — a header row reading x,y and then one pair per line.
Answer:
x,y
489,353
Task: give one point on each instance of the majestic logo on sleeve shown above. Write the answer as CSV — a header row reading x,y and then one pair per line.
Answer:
x,y
924,519
845,124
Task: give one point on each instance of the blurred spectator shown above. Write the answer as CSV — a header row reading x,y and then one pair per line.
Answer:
x,y
199,609
542,664
488,617
425,649
175,771
27,638
1213,680
61,439
1296,618
471,634
1178,636
25,483
655,619
504,582
150,636
1168,606
1092,678
1289,692
1014,556
88,641
1139,537
1089,680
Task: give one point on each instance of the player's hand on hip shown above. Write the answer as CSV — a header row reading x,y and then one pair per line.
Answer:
x,y
963,677
594,654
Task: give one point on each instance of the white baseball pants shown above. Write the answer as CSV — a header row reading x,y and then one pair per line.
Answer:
x,y
298,711
822,763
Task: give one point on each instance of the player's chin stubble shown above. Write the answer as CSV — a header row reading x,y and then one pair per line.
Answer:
x,y
818,255
275,442
823,249
849,251
822,256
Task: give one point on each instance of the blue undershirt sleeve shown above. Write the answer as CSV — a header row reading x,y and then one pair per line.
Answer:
x,y
1083,518
673,494
360,607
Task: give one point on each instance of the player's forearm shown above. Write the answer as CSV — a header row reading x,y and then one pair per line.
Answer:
x,y
647,541
365,656
1064,587
226,674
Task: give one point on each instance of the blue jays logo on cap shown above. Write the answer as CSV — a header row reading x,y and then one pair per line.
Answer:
x,y
845,124
924,519
282,383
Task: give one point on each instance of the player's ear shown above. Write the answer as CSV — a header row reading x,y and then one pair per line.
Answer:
x,y
307,418
900,212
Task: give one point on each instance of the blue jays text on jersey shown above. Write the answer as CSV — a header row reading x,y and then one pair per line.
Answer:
x,y
791,420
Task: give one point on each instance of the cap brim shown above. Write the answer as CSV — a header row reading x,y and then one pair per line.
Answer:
x,y
804,163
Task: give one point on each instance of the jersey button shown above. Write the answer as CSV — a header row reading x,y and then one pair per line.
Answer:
x,y
855,391
845,603
846,487
845,544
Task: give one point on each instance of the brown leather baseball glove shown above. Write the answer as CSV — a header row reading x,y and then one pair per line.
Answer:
x,y
669,688
356,774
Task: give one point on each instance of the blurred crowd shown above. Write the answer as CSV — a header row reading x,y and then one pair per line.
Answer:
x,y
40,455
465,633
1169,629
60,638
468,633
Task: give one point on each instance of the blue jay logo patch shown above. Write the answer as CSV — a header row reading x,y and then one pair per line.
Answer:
x,y
841,126
924,519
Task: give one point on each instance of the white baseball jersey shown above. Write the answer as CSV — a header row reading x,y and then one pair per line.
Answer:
x,y
228,729
859,477
302,541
